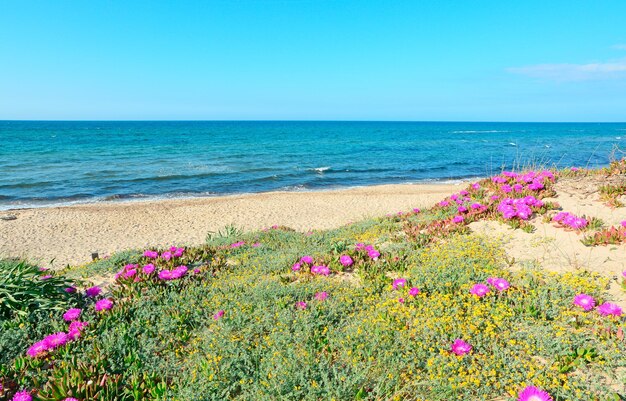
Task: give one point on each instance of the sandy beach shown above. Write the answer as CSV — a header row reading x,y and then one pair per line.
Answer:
x,y
70,234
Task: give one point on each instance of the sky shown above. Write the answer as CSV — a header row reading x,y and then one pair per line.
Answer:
x,y
313,60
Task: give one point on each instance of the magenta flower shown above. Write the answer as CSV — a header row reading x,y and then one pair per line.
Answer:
x,y
475,185
75,330
584,301
460,347
359,246
457,219
623,223
237,244
55,340
416,210
166,255
151,254
532,393
501,284
70,290
306,259
37,349
414,291
71,399
607,309
218,315
256,245
93,291
46,277
22,396
321,270
397,283
461,209
148,269
480,290
104,304
295,267
301,305
165,274
179,271
320,296
373,254
346,260
71,314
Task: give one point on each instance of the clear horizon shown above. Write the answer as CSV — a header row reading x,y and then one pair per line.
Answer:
x,y
273,60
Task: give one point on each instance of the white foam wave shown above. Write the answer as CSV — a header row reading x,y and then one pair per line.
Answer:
x,y
478,132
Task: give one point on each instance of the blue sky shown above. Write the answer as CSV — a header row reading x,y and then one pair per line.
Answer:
x,y
313,60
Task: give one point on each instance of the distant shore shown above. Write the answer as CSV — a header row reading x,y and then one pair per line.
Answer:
x,y
69,234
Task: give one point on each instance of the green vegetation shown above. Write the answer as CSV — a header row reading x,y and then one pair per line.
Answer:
x,y
247,319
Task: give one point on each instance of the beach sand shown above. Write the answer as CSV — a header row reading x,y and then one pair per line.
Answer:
x,y
70,234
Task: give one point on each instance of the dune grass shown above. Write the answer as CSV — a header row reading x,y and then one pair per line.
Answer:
x,y
248,319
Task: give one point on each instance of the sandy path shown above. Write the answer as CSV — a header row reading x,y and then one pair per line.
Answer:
x,y
71,233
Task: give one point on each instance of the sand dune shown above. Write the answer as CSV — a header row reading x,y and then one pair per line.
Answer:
x,y
69,234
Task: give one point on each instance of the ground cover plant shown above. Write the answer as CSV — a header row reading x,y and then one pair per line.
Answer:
x,y
411,306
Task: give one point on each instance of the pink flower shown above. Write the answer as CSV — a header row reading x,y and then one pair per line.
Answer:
x,y
22,396
457,219
71,399
475,185
346,260
584,301
480,290
55,340
397,283
218,315
359,246
321,270
306,259
416,210
373,254
70,290
461,209
93,291
104,304
151,254
166,255
37,349
71,314
165,275
414,291
501,284
177,252
75,330
237,244
623,223
532,393
148,269
295,267
46,277
179,271
301,305
256,245
320,296
607,309
460,347
401,300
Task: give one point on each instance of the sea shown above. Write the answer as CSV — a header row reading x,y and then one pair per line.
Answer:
x,y
46,163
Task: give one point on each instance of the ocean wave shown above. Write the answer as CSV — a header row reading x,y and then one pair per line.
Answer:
x,y
491,131
319,170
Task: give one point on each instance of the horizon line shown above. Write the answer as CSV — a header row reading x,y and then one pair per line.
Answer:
x,y
318,120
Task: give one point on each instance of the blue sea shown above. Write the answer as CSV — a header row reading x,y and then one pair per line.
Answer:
x,y
48,163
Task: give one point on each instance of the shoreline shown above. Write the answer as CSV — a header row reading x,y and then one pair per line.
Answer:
x,y
139,198
68,234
